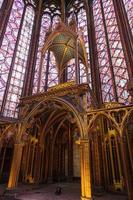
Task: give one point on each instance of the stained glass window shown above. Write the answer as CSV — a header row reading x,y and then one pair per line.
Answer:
x,y
46,73
19,65
129,9
53,71
1,2
8,44
82,27
79,12
40,72
71,76
113,69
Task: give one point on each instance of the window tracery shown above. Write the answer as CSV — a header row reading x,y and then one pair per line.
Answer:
x,y
13,56
9,43
17,38
129,9
53,71
112,65
46,74
40,73
79,13
19,65
1,2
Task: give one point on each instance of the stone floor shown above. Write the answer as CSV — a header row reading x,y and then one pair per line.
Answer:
x,y
70,191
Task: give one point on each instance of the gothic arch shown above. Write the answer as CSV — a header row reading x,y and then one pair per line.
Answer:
x,y
107,117
125,121
67,106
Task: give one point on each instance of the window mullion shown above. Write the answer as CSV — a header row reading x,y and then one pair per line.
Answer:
x,y
47,72
94,65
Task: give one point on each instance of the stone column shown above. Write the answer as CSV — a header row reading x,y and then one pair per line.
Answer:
x,y
15,167
126,169
85,171
98,179
37,167
70,155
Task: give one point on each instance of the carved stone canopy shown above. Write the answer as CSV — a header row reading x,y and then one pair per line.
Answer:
x,y
62,42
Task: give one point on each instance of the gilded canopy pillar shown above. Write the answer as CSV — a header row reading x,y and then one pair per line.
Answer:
x,y
15,167
37,167
85,171
86,192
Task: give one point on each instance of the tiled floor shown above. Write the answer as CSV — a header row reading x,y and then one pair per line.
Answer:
x,y
70,191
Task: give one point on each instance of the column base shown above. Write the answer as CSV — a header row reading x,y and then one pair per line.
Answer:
x,y
50,180
87,198
98,190
10,188
70,179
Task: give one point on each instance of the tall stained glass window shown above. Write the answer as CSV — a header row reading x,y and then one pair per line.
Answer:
x,y
19,65
9,43
53,71
129,9
40,71
46,73
13,56
112,65
79,12
1,2
82,27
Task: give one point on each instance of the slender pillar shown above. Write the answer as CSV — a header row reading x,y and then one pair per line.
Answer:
x,y
70,155
86,192
77,62
32,159
27,161
2,161
63,17
15,167
24,162
94,65
125,33
85,171
126,171
0,146
37,167
98,179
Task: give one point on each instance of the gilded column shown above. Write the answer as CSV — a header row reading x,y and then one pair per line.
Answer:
x,y
15,167
126,35
94,65
37,167
70,155
85,171
98,180
126,169
2,161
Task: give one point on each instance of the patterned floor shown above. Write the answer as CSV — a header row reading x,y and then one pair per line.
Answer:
x,y
70,191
